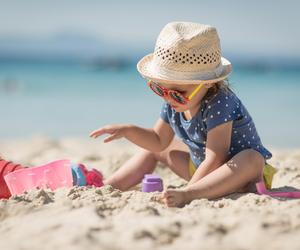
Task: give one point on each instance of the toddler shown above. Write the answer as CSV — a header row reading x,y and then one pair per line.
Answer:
x,y
204,134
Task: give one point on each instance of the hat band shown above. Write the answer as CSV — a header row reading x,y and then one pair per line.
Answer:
x,y
179,75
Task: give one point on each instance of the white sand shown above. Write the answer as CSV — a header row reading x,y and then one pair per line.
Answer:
x,y
104,218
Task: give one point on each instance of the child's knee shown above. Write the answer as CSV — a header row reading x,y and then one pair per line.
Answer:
x,y
150,155
158,156
253,158
258,159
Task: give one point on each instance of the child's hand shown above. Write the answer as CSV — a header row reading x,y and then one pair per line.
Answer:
x,y
115,131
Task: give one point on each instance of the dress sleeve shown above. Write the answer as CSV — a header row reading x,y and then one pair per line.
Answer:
x,y
164,112
222,109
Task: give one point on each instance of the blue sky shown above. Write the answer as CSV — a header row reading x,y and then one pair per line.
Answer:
x,y
246,27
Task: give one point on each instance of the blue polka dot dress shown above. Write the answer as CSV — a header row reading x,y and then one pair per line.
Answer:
x,y
223,107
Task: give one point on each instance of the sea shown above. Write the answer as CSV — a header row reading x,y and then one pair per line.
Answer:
x,y
66,99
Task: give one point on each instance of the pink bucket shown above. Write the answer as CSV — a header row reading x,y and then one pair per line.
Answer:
x,y
53,175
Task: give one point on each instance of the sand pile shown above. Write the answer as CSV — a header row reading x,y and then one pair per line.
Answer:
x,y
105,218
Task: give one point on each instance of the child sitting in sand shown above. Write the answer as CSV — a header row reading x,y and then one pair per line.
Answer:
x,y
217,148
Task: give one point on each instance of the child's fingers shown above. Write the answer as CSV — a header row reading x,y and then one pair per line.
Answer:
x,y
158,198
96,133
100,132
110,138
165,194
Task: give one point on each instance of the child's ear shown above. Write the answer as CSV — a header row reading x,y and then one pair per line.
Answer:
x,y
209,85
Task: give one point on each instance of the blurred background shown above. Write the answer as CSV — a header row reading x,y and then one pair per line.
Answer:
x,y
69,66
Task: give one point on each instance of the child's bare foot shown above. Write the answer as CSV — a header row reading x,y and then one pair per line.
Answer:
x,y
174,197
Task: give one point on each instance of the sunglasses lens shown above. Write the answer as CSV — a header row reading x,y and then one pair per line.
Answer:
x,y
157,89
177,97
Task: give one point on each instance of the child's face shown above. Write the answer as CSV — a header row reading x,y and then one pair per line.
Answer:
x,y
185,90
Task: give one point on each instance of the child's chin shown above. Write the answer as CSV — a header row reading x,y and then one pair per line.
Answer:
x,y
179,109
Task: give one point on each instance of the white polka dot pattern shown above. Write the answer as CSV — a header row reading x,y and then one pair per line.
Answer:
x,y
222,108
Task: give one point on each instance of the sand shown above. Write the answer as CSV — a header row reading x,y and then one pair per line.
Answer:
x,y
105,218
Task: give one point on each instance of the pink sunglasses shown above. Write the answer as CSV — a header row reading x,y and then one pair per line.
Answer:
x,y
174,94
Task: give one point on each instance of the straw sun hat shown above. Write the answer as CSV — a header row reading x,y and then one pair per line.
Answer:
x,y
185,53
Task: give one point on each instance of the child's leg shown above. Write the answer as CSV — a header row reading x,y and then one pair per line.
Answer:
x,y
132,171
243,168
176,156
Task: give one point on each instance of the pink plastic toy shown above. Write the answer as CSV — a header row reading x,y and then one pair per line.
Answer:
x,y
261,189
52,175
93,177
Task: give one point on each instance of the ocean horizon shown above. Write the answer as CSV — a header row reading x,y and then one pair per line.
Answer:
x,y
69,98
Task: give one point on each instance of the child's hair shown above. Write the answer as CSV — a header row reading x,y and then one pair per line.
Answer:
x,y
221,85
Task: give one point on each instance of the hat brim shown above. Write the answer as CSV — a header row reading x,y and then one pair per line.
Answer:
x,y
144,68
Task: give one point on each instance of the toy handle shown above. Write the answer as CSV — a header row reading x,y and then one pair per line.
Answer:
x,y
261,189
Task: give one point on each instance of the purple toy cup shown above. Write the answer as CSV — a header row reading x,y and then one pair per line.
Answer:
x,y
152,183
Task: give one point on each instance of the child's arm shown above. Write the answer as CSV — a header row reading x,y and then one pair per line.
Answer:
x,y
216,154
155,139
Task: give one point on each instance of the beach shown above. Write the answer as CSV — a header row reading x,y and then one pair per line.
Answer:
x,y
68,68
106,218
